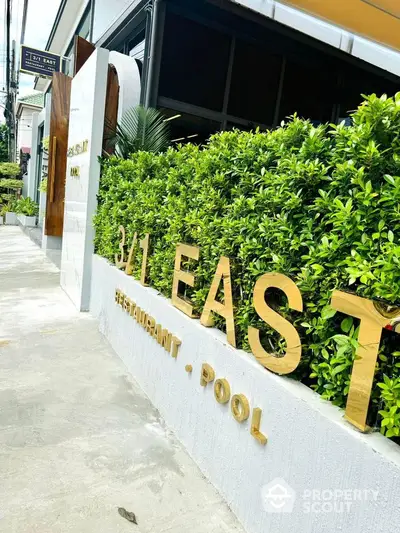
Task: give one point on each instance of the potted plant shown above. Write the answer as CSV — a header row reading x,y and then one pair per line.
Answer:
x,y
27,211
9,214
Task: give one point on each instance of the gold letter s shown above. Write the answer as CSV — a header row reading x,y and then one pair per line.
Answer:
x,y
290,361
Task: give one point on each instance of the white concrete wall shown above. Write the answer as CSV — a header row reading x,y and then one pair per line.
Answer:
x,y
310,446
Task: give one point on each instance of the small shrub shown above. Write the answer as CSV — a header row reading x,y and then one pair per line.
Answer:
x,y
9,169
26,206
43,185
10,184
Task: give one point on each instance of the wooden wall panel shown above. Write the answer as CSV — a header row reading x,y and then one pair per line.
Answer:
x,y
83,50
111,110
59,120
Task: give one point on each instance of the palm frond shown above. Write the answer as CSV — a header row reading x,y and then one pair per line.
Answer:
x,y
140,128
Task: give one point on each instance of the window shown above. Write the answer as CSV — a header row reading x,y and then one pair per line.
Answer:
x,y
255,81
83,30
194,63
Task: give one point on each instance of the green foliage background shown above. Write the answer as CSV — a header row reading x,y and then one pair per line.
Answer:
x,y
319,204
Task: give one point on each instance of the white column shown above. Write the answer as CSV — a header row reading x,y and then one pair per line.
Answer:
x,y
86,124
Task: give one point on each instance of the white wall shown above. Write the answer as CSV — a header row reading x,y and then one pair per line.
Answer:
x,y
25,128
310,446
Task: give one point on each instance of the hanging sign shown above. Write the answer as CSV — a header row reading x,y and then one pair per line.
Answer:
x,y
38,62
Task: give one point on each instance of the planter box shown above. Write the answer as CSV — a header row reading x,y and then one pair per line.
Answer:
x,y
26,221
11,219
1,221
329,476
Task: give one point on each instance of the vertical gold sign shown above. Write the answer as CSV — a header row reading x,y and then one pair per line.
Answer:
x,y
369,338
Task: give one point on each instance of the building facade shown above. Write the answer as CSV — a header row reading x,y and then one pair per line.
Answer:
x,y
241,63
213,65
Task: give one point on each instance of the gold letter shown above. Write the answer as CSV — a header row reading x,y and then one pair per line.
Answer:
x,y
369,338
175,345
255,426
207,374
137,313
127,304
150,325
120,263
192,252
290,361
222,391
128,268
166,340
157,333
143,319
144,244
225,310
240,407
117,291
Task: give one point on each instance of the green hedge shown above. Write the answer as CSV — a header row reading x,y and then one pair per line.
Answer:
x,y
319,204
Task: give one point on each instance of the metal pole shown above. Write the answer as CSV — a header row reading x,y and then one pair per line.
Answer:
x,y
154,46
24,15
92,8
8,110
13,92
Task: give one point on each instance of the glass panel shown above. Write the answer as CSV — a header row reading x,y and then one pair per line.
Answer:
x,y
308,90
194,63
190,128
255,81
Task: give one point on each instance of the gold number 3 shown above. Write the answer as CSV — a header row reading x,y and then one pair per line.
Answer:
x,y
120,263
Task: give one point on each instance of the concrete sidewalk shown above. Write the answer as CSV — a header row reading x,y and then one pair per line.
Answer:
x,y
78,438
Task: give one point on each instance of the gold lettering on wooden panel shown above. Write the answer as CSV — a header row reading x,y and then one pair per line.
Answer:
x,y
255,426
369,338
291,359
223,272
240,407
120,262
191,252
144,244
222,391
131,256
